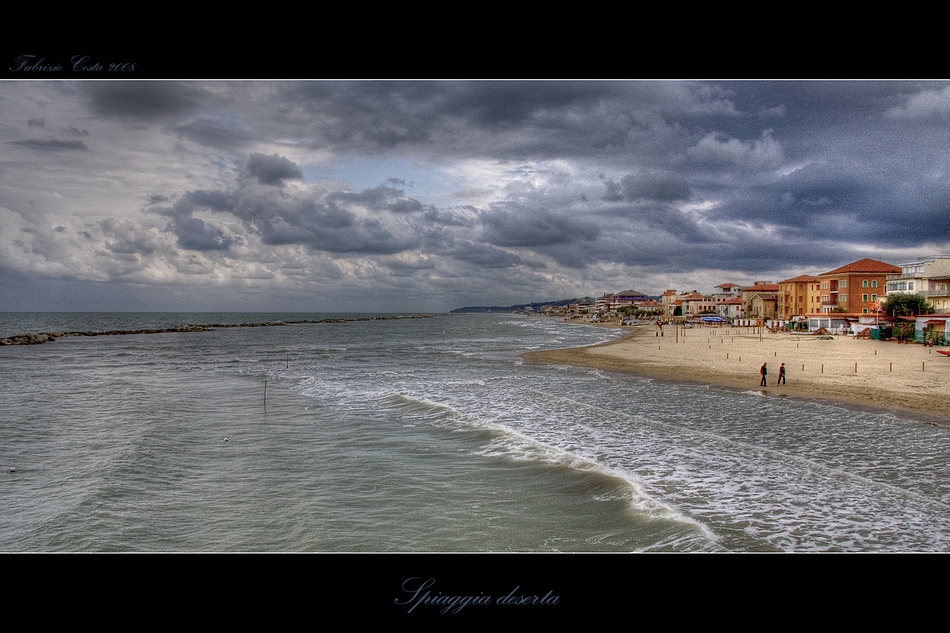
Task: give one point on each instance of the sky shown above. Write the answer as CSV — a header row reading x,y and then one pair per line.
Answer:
x,y
425,196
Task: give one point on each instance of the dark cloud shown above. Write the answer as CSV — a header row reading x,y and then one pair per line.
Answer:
x,y
485,256
144,100
196,234
655,186
513,225
51,145
272,170
221,131
449,218
591,181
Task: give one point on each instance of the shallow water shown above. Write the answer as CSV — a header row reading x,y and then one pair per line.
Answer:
x,y
429,435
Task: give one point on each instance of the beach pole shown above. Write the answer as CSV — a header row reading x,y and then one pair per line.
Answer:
x,y
265,393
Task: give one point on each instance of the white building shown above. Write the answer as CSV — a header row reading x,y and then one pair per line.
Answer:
x,y
929,276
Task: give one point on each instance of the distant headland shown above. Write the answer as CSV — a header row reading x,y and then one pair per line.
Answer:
x,y
524,307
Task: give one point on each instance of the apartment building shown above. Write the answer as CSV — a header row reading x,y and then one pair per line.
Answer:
x,y
856,287
799,296
929,276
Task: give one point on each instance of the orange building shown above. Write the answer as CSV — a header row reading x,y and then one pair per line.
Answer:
x,y
855,287
799,296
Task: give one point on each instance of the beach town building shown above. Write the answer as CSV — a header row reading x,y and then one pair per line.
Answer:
x,y
610,303
732,309
693,303
729,290
798,296
667,300
856,287
932,328
760,300
651,306
929,276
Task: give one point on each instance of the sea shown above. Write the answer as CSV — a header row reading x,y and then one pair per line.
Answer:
x,y
429,435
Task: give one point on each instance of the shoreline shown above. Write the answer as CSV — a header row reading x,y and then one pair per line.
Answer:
x,y
879,376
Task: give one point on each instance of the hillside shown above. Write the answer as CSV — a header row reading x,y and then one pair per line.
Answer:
x,y
520,308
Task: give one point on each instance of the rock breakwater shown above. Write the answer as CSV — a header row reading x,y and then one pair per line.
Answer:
x,y
46,337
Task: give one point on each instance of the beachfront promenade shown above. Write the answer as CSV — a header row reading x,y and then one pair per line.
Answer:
x,y
866,373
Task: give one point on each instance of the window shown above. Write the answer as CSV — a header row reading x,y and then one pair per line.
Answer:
x,y
843,299
874,283
864,311
864,298
873,297
864,284
843,283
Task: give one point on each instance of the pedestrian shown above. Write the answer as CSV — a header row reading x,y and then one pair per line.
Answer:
x,y
781,375
764,372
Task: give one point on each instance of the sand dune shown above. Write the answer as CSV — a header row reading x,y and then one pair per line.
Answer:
x,y
907,379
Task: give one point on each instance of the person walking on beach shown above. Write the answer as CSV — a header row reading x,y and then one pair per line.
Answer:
x,y
781,375
764,372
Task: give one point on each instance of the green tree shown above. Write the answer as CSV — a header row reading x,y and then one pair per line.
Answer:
x,y
904,331
906,305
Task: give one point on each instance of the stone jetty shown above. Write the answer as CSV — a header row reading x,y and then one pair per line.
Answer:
x,y
46,337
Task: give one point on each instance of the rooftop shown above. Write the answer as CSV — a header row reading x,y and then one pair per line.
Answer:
x,y
865,266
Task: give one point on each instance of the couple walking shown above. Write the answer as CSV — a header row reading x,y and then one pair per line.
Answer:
x,y
764,371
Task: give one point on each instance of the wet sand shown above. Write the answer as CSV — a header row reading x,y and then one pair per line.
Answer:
x,y
909,380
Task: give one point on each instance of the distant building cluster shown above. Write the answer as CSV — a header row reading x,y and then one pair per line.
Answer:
x,y
849,297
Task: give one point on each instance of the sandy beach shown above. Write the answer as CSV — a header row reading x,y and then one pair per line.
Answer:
x,y
885,375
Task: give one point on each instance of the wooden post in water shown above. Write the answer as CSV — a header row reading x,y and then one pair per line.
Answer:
x,y
265,393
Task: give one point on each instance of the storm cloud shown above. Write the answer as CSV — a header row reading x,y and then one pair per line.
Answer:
x,y
435,194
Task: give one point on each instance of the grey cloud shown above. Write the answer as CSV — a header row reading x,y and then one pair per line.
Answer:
x,y
406,205
485,256
374,198
614,192
51,145
448,218
272,170
144,100
656,186
127,237
214,200
511,225
222,131
196,234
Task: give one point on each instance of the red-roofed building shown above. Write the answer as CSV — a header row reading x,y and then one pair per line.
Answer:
x,y
761,300
855,287
729,289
